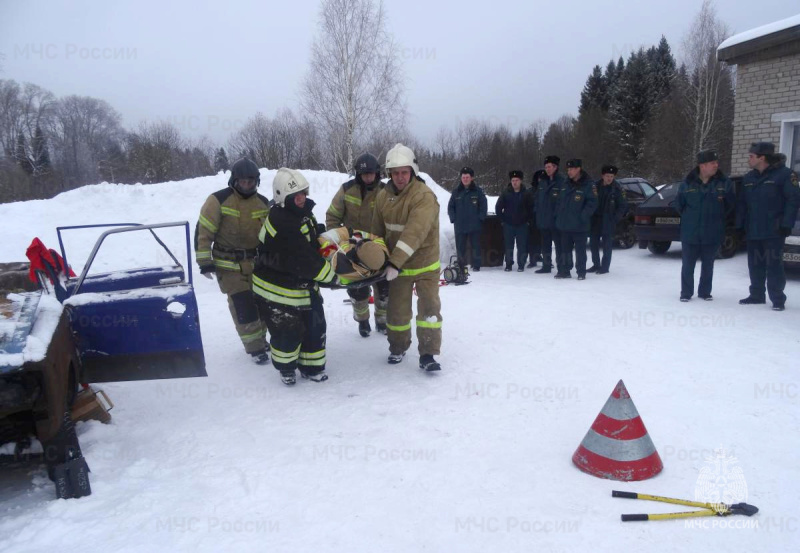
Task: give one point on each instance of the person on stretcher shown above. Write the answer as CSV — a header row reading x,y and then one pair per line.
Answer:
x,y
354,257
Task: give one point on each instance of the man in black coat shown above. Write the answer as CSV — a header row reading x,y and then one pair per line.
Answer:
x,y
467,211
512,209
534,234
611,206
767,209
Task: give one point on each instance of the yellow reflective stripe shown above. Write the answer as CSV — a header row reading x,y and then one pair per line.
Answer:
x,y
360,311
230,211
258,214
224,264
284,356
269,296
288,292
202,254
335,212
325,274
353,200
270,229
312,354
251,337
311,362
304,228
399,328
380,242
413,272
208,224
426,324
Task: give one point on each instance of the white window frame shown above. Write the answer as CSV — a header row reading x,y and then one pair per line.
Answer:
x,y
788,122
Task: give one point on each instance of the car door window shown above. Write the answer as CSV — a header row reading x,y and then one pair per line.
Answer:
x,y
633,191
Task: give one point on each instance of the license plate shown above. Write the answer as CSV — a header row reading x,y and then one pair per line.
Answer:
x,y
791,257
668,220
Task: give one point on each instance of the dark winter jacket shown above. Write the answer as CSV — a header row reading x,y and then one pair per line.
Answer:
x,y
467,208
290,266
704,207
612,205
768,202
512,207
576,205
547,199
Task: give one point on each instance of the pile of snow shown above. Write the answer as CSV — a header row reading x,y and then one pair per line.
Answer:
x,y
475,458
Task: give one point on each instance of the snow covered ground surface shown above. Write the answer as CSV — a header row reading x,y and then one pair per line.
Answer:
x,y
475,458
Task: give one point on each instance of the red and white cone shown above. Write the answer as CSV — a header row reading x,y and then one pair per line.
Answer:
x,y
617,446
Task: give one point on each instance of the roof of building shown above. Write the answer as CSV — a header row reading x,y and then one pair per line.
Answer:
x,y
768,41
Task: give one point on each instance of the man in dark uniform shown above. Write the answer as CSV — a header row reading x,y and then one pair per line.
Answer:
x,y
767,209
550,186
611,206
287,278
534,235
576,204
704,200
512,209
467,211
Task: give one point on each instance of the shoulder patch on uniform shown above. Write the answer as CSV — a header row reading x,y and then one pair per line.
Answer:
x,y
222,195
623,193
594,189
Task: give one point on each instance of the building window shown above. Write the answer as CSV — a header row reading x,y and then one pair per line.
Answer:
x,y
794,153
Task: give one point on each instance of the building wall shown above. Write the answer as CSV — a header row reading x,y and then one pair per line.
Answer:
x,y
763,88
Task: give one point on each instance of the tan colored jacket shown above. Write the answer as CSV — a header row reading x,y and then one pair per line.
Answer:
x,y
409,223
228,222
349,209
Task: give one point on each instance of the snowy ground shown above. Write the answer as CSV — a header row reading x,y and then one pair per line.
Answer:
x,y
476,458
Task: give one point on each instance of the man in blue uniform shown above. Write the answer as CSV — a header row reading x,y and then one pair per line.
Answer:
x,y
704,200
550,186
611,206
767,209
576,205
467,211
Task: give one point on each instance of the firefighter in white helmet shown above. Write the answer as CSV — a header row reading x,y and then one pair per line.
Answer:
x,y
407,216
287,278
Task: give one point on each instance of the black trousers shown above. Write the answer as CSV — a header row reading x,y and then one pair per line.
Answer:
x,y
534,244
690,253
608,246
474,239
551,237
576,240
297,335
765,262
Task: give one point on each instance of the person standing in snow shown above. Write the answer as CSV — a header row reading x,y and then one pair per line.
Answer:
x,y
407,215
611,207
550,186
577,203
352,207
287,278
467,211
225,241
767,209
705,199
534,234
512,208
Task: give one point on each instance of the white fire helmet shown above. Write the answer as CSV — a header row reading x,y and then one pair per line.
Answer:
x,y
401,156
286,183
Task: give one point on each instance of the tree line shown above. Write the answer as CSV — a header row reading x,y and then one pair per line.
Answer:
x,y
648,114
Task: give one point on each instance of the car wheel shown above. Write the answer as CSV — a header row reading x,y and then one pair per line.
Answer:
x,y
730,244
626,237
658,248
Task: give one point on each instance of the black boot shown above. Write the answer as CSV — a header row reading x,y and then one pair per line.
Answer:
x,y
380,327
428,363
364,329
508,268
750,300
544,269
261,357
592,269
288,378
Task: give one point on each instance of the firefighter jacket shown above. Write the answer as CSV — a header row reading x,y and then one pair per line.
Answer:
x,y
289,266
352,206
409,222
227,230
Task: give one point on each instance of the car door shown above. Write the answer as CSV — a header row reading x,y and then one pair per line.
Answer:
x,y
135,324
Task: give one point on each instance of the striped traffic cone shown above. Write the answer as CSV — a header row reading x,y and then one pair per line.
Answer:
x,y
617,446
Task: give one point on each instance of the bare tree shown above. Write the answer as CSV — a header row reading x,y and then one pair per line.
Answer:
x,y
710,80
354,88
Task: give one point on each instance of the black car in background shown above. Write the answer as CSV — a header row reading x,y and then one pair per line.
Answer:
x,y
637,190
658,224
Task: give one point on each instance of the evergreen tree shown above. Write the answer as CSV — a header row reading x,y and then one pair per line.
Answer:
x,y
595,92
221,161
630,110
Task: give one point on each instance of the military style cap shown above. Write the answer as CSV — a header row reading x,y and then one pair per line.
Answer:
x,y
762,148
706,156
516,173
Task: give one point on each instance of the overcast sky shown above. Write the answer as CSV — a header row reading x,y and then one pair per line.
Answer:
x,y
208,66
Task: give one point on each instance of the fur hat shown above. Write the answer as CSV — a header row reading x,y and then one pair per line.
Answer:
x,y
762,148
516,173
555,160
574,163
609,170
467,171
707,156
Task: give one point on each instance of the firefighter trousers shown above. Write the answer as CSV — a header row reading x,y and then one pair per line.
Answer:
x,y
360,297
297,335
242,305
429,316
